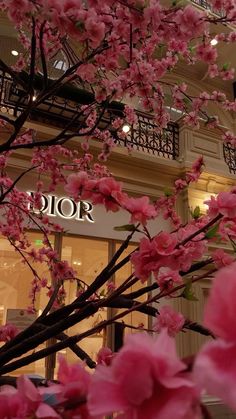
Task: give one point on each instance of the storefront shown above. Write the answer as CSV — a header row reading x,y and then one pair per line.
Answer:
x,y
88,244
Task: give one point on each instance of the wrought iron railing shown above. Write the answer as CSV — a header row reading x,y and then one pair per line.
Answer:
x,y
208,6
230,157
60,109
144,136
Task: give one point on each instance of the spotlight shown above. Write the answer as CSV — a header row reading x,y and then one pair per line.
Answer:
x,y
214,42
126,128
15,53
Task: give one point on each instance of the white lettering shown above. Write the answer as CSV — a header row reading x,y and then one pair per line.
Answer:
x,y
64,207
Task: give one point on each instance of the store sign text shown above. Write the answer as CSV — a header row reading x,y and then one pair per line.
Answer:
x,y
65,207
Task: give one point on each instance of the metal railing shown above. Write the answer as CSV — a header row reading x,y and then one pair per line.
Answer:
x,y
206,5
144,136
60,109
230,157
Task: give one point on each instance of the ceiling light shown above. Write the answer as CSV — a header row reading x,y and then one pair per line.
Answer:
x,y
60,65
77,262
126,128
15,53
214,42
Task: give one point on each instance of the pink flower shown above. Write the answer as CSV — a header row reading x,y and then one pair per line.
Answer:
x,y
31,397
168,318
168,279
68,374
207,53
224,203
215,371
180,184
109,193
74,386
227,204
145,380
165,243
8,332
221,258
190,22
105,356
215,367
222,321
213,209
75,183
61,270
140,208
192,119
229,137
87,72
145,260
95,31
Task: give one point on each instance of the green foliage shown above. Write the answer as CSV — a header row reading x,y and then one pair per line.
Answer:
x,y
167,192
125,227
188,292
225,66
196,213
212,232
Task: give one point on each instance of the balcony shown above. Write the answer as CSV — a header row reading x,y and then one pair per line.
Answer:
x,y
230,157
61,109
207,6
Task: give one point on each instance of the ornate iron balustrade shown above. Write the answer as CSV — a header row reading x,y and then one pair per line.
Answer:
x,y
62,108
206,5
144,136
230,157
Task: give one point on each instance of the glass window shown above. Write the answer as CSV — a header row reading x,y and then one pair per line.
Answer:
x,y
88,257
15,284
134,318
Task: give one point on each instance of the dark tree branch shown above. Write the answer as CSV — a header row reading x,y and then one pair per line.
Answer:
x,y
3,196
43,60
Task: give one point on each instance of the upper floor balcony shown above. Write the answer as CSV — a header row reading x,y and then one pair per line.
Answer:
x,y
60,109
207,6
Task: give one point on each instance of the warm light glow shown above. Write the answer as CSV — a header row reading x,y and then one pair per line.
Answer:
x,y
214,42
15,53
33,98
77,262
126,128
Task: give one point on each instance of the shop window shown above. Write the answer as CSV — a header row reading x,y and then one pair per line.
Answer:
x,y
15,282
88,256
134,318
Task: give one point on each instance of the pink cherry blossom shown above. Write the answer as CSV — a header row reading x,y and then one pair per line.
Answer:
x,y
167,279
74,386
170,319
221,258
145,260
207,53
105,356
145,380
31,397
222,321
224,203
75,183
165,243
140,208
87,72
215,371
8,332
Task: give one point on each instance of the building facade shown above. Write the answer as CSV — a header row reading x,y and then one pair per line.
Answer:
x,y
153,166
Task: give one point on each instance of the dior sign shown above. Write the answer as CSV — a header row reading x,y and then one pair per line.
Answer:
x,y
65,207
